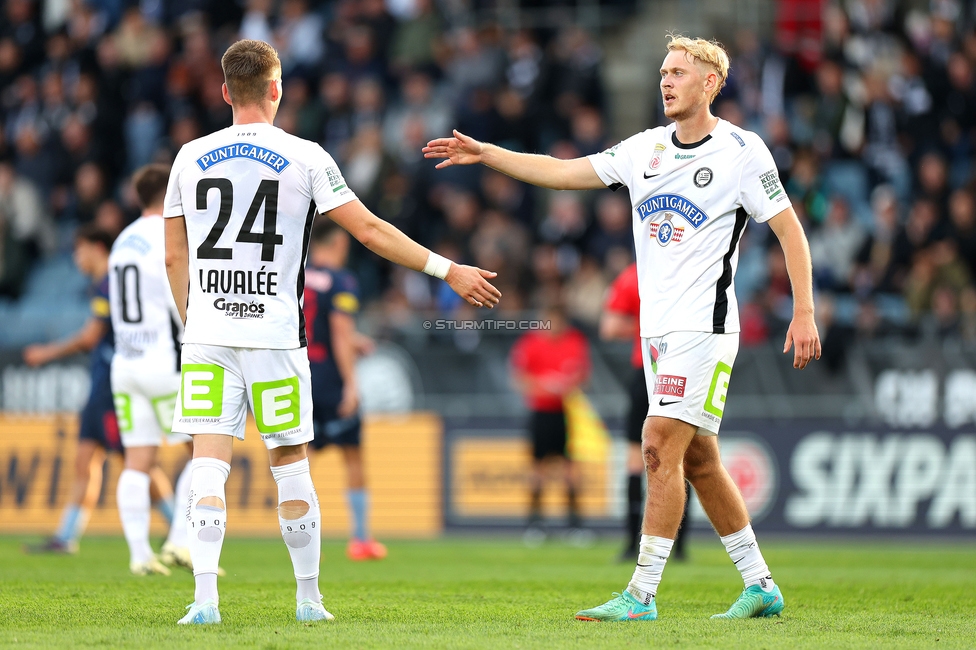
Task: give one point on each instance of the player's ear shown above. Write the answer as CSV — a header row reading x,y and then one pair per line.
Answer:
x,y
225,93
710,80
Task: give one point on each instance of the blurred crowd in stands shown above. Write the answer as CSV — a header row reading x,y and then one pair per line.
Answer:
x,y
870,111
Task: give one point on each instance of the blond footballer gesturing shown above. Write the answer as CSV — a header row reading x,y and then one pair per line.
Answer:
x,y
694,185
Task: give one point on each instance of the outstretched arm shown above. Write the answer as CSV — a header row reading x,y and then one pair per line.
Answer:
x,y
803,333
83,340
544,171
385,240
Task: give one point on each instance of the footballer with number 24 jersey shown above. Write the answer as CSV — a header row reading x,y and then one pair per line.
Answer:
x,y
230,186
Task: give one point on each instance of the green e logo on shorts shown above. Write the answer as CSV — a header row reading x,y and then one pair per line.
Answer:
x,y
276,405
164,408
715,402
202,390
123,411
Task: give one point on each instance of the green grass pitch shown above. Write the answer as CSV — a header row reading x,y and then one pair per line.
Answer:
x,y
495,593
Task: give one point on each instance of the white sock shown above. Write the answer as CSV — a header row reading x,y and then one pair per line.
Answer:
x,y
206,523
744,551
177,529
301,525
134,505
654,553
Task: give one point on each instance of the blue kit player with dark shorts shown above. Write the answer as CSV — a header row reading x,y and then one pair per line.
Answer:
x,y
331,304
98,429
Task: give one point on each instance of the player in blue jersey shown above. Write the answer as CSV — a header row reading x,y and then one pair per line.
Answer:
x,y
98,431
331,304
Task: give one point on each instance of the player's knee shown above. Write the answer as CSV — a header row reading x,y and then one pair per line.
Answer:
x,y
652,457
291,510
211,503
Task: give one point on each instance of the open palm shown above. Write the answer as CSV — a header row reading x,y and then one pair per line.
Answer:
x,y
459,150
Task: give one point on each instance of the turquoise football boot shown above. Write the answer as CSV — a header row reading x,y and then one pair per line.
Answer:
x,y
309,610
753,602
206,613
622,607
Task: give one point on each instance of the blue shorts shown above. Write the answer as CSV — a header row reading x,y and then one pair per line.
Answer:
x,y
97,420
330,429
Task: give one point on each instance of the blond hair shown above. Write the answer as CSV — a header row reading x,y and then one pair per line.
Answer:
x,y
710,53
248,67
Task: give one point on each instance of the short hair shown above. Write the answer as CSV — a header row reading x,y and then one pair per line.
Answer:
x,y
324,231
711,53
150,182
91,233
248,67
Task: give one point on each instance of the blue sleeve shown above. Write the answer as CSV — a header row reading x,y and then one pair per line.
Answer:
x,y
345,293
99,300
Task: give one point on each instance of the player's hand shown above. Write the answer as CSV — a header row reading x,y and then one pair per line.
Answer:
x,y
459,150
804,338
471,283
37,355
349,403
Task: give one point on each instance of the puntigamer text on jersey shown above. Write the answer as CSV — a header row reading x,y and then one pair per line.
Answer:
x,y
243,150
660,202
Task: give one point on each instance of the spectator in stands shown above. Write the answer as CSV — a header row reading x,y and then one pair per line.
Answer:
x,y
25,229
834,247
613,229
873,263
962,226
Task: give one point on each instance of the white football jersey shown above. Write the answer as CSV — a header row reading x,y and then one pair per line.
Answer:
x,y
144,316
690,204
249,193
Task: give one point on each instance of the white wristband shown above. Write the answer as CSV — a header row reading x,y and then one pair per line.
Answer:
x,y
437,266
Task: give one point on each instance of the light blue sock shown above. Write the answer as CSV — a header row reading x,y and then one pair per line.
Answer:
x,y
359,504
165,507
67,529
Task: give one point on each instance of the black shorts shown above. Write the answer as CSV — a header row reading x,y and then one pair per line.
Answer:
x,y
548,432
638,406
97,419
330,429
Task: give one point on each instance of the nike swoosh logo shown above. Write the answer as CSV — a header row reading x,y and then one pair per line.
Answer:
x,y
632,615
646,177
661,402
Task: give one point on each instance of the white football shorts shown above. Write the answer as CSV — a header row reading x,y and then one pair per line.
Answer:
x,y
687,376
144,395
219,383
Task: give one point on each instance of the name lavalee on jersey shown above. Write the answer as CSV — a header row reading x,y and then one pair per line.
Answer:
x,y
246,283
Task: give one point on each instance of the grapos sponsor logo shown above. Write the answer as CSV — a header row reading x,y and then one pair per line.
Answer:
x,y
240,309
889,481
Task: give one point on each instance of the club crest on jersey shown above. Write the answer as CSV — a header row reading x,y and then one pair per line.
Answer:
x,y
665,232
658,155
673,203
703,177
266,157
